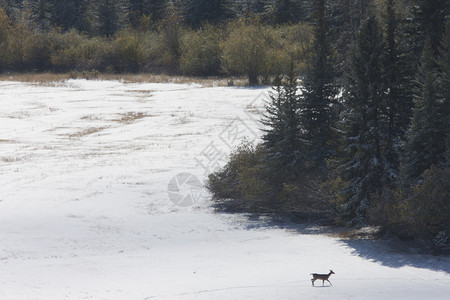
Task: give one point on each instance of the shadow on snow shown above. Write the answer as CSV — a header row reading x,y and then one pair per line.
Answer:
x,y
389,252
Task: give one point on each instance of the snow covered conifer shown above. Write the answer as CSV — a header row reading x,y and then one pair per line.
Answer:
x,y
398,80
273,116
444,86
319,92
282,135
346,17
365,167
426,138
430,16
40,13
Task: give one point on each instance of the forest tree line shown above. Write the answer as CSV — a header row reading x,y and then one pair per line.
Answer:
x,y
256,39
105,17
364,140
253,38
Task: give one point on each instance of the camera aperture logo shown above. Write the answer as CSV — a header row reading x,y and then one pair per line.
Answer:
x,y
184,189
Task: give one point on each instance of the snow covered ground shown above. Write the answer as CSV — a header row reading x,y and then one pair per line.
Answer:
x,y
87,211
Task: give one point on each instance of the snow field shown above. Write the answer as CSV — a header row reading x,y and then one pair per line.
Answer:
x,y
85,214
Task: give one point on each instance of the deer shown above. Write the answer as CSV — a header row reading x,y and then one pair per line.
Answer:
x,y
322,277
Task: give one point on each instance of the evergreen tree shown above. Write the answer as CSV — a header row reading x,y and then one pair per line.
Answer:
x,y
346,18
40,13
398,78
430,16
319,92
123,13
72,14
365,166
273,118
426,21
426,138
10,6
444,86
197,12
154,8
285,11
109,16
106,17
248,7
282,134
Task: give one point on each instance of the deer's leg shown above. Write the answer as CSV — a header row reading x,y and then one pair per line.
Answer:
x,y
329,282
312,281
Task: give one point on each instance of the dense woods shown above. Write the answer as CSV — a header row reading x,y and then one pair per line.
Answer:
x,y
364,140
357,128
256,39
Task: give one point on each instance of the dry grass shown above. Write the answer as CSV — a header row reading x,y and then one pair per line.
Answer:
x,y
88,131
184,119
162,78
34,77
7,141
143,93
49,78
9,159
131,117
92,118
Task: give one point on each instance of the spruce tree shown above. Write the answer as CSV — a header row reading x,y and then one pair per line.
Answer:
x,y
10,6
430,16
153,8
284,11
282,134
346,17
444,86
398,78
364,166
109,16
71,14
426,21
273,118
444,64
249,7
41,13
320,92
426,138
197,12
